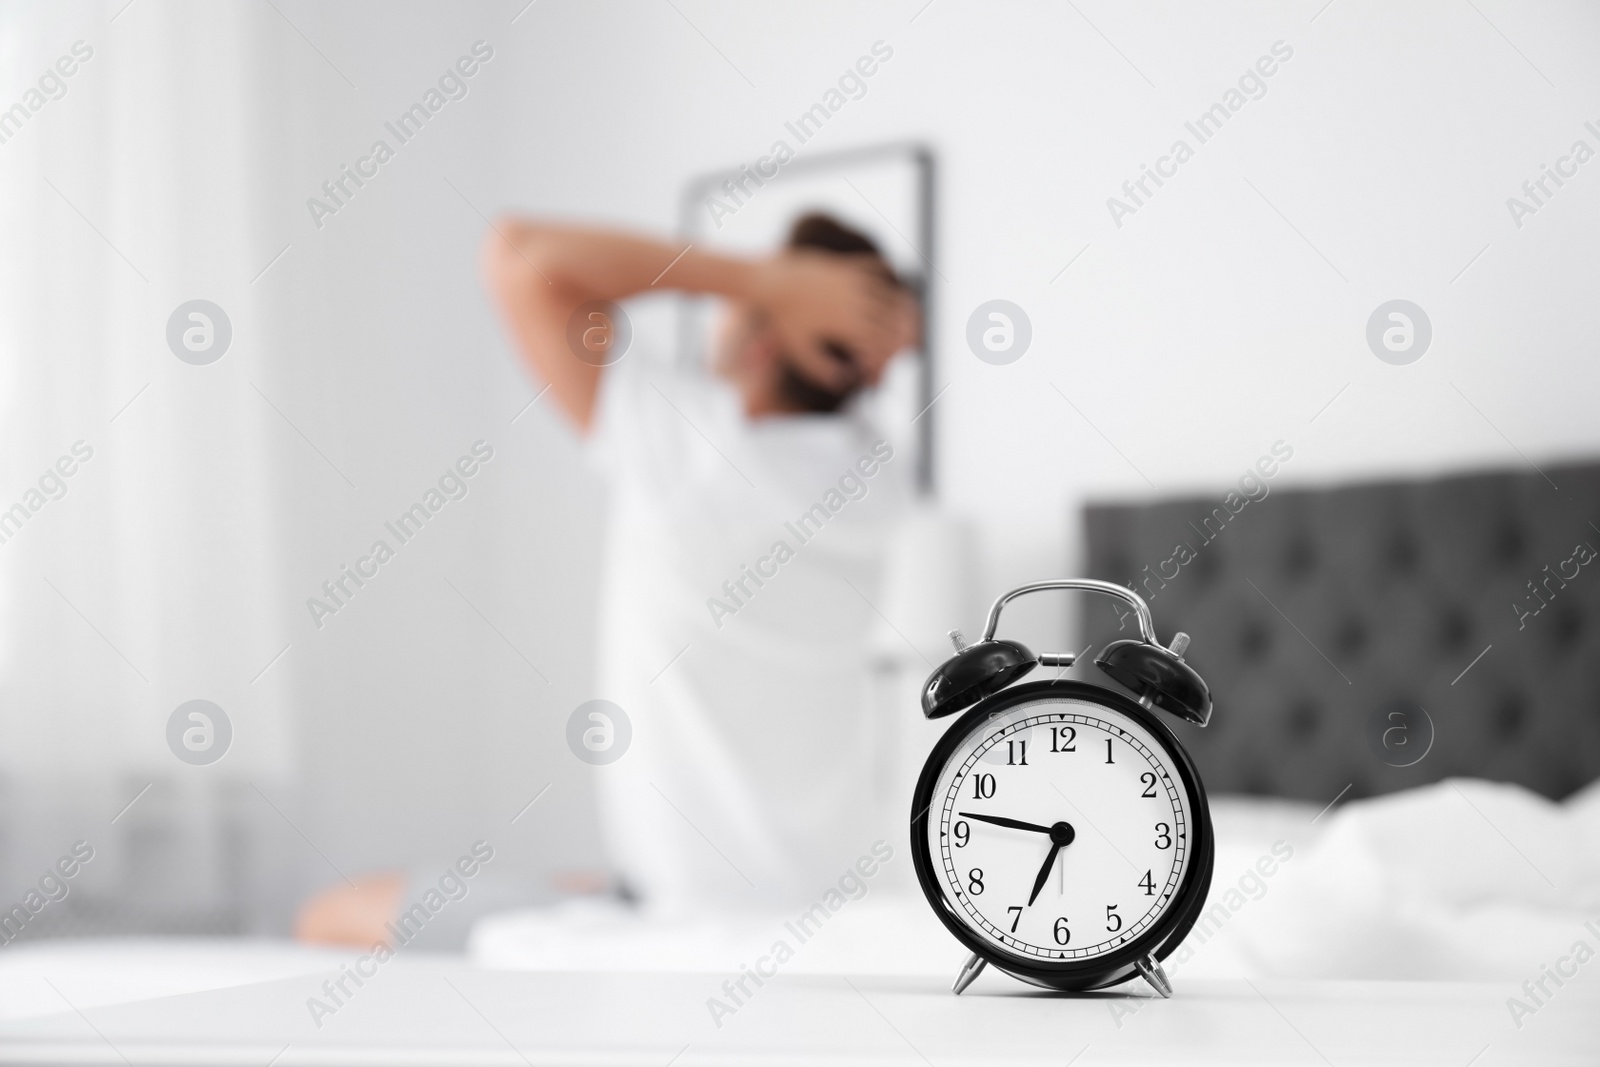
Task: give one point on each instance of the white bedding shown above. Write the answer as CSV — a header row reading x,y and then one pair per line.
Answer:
x,y
1466,880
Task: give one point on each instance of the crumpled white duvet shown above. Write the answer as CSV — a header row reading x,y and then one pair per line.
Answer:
x,y
1460,881
1464,880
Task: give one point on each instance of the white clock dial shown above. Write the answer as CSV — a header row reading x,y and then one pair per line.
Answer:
x,y
1060,830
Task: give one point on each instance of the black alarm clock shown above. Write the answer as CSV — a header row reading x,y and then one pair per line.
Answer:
x,y
1059,829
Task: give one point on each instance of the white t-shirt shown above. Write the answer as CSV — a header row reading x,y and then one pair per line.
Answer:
x,y
743,562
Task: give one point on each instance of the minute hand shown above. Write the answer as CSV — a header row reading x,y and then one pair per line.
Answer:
x,y
1014,824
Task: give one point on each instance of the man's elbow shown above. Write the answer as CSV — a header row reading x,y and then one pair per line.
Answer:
x,y
510,252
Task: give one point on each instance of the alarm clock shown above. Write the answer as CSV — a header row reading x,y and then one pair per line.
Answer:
x,y
1059,829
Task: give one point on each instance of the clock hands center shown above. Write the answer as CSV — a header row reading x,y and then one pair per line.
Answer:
x,y
1061,835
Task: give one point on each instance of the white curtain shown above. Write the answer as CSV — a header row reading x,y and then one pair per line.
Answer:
x,y
143,580
364,361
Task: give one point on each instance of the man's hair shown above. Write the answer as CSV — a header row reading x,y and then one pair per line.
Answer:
x,y
818,231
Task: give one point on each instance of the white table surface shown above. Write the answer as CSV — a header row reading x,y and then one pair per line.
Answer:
x,y
447,1012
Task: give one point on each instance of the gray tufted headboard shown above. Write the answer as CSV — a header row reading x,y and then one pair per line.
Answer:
x,y
1324,619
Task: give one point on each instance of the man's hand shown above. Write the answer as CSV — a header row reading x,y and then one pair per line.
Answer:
x,y
813,298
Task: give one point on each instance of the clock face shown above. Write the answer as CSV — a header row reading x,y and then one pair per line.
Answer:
x,y
1060,830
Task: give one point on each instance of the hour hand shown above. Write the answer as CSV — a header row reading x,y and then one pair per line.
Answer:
x,y
1044,872
1015,824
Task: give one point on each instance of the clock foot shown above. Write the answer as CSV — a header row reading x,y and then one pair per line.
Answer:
x,y
1150,970
969,973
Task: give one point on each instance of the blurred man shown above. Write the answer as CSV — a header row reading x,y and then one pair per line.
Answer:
x,y
751,507
751,504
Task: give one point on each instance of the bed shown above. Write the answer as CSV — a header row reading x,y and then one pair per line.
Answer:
x,y
1434,896
1317,614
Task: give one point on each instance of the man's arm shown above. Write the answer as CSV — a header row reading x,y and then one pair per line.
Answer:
x,y
541,273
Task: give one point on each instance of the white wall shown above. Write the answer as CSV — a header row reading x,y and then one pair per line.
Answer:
x,y
1208,325
1202,330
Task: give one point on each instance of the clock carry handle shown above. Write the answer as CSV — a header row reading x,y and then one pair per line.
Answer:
x,y
1147,628
1156,676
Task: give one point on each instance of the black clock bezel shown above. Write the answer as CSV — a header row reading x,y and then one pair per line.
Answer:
x,y
1162,938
